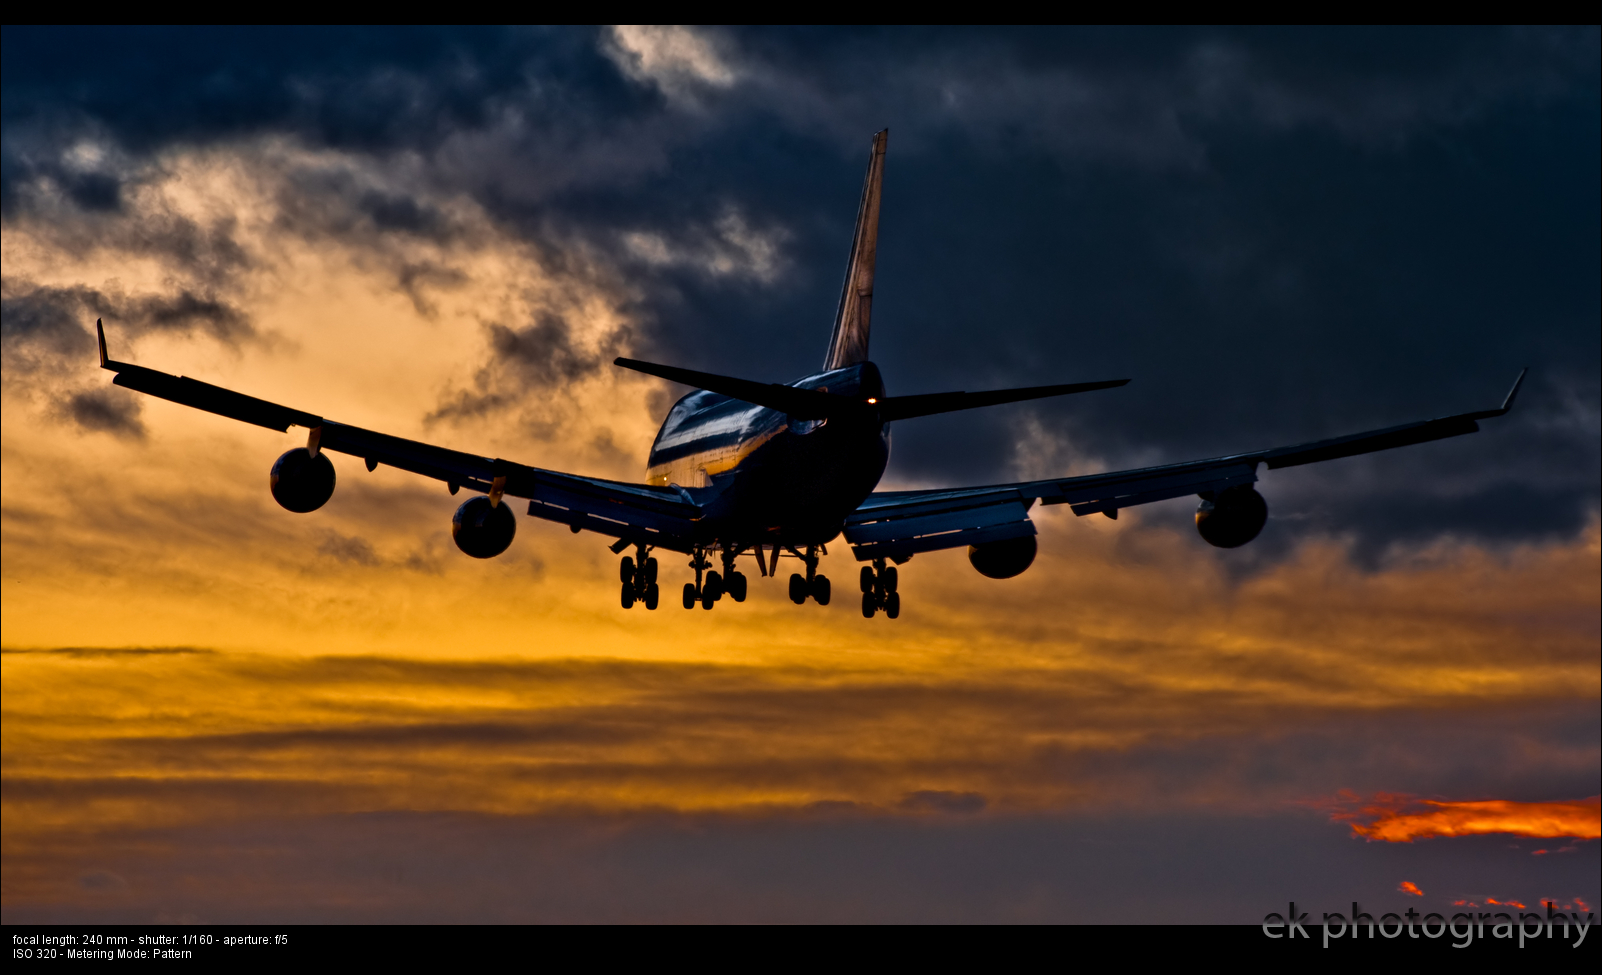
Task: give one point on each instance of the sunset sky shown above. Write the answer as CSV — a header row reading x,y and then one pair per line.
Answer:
x,y
215,710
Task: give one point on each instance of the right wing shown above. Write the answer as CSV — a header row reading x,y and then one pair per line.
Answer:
x,y
898,524
632,513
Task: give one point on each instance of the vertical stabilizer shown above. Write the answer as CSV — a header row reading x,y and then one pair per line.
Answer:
x,y
849,343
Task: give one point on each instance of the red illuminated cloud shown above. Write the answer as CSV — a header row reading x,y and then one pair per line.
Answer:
x,y
1408,887
1403,819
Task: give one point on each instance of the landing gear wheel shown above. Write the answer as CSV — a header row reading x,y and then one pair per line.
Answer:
x,y
689,595
736,586
707,599
888,578
713,589
798,589
820,589
652,594
869,605
650,571
867,578
625,571
892,605
628,595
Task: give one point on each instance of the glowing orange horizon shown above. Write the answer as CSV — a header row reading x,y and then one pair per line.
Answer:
x,y
1392,818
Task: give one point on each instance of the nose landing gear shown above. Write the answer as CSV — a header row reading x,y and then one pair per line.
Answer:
x,y
879,590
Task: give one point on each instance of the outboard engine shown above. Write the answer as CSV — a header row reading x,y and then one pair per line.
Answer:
x,y
1232,517
301,482
1003,559
482,528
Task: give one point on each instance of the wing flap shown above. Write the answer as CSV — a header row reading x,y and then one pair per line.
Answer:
x,y
1109,492
898,528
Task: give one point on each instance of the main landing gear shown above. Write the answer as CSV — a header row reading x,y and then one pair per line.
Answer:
x,y
709,586
879,590
639,579
814,585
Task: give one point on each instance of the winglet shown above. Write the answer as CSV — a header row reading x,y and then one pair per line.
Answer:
x,y
100,331
1513,393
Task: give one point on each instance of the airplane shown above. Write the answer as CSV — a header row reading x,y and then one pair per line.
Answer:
x,y
743,467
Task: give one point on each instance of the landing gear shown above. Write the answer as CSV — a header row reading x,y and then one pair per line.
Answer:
x,y
879,590
812,584
707,587
638,575
733,579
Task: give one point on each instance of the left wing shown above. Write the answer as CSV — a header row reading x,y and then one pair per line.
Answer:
x,y
898,524
632,513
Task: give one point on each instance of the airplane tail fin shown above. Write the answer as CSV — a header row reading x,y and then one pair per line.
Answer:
x,y
849,343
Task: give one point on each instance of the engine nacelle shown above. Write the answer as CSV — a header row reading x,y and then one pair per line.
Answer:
x,y
1003,559
1232,517
301,482
482,528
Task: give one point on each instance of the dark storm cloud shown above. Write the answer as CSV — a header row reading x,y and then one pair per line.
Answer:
x,y
49,328
112,411
540,355
1279,234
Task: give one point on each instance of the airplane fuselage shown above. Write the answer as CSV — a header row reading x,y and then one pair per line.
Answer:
x,y
763,477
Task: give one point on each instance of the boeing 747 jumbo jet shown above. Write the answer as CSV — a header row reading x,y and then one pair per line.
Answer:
x,y
749,468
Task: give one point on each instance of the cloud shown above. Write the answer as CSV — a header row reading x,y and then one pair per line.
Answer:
x,y
1403,819
44,324
112,411
941,801
681,61
348,548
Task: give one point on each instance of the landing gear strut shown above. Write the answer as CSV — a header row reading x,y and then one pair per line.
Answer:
x,y
707,587
638,574
733,579
814,585
879,590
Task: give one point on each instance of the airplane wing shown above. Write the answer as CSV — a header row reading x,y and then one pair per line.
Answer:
x,y
632,513
898,524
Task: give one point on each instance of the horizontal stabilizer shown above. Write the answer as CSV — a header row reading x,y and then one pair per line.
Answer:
x,y
928,404
803,404
814,404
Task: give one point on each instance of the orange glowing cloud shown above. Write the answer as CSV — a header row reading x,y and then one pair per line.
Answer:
x,y
1408,887
1403,819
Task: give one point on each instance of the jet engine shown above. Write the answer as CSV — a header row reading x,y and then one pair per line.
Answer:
x,y
1003,559
483,528
301,482
1232,517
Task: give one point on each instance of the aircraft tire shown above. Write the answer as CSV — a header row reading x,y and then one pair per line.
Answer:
x,y
652,594
887,578
713,588
820,589
737,586
867,579
628,595
798,589
892,605
707,599
650,571
869,605
625,570
689,595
